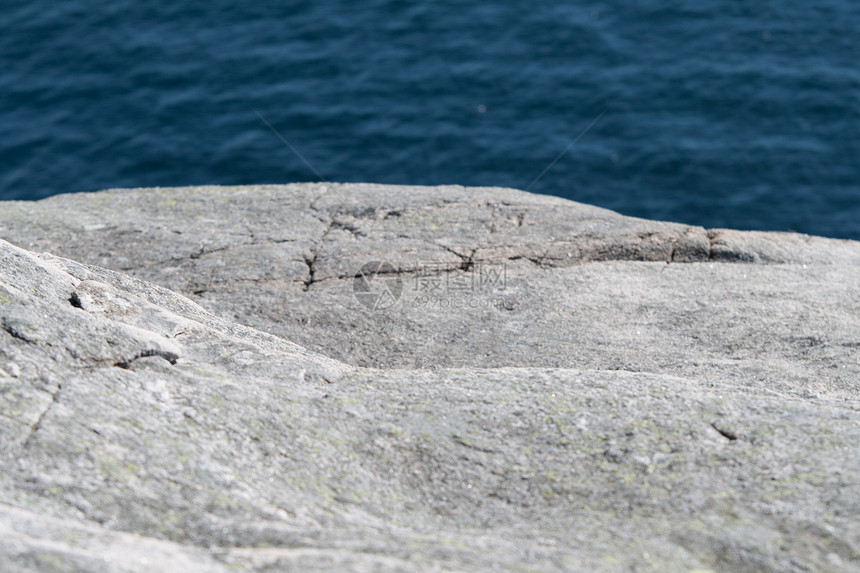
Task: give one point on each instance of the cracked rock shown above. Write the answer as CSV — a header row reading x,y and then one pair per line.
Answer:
x,y
557,387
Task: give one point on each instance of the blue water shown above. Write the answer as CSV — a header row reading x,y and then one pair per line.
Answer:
x,y
717,113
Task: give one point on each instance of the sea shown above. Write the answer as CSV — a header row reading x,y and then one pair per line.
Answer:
x,y
717,113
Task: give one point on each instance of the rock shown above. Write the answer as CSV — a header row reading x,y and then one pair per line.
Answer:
x,y
610,394
487,278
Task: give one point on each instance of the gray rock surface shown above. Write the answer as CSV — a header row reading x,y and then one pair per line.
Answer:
x,y
558,387
581,287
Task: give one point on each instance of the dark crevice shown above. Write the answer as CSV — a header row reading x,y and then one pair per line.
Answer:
x,y
728,434
310,262
169,356
75,301
335,224
15,334
540,261
534,260
466,261
203,251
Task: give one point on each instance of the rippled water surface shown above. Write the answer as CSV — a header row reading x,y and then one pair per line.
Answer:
x,y
723,114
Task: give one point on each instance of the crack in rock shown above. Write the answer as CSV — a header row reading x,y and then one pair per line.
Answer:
x,y
171,357
203,251
14,333
347,226
466,261
310,262
725,432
